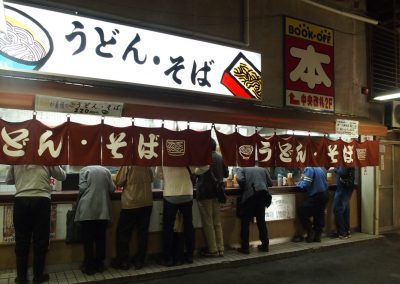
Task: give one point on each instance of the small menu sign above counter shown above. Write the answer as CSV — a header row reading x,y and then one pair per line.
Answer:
x,y
347,127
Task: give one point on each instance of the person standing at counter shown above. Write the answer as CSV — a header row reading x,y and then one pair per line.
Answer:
x,y
314,181
341,206
136,207
209,205
177,195
94,214
254,183
32,216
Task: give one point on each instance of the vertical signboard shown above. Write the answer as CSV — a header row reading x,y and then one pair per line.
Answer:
x,y
309,66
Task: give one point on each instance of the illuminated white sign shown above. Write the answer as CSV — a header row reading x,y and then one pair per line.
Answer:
x,y
70,45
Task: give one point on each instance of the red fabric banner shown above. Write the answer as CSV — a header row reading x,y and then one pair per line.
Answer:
x,y
31,142
147,146
266,151
246,150
199,147
117,146
50,144
15,142
84,144
227,145
284,152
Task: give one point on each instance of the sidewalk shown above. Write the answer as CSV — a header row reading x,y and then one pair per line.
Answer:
x,y
232,258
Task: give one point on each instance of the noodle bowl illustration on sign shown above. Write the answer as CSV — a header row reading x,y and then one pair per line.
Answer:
x,y
246,151
175,147
27,44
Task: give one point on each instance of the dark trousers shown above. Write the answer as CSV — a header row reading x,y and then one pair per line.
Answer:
x,y
169,214
254,207
31,220
341,208
314,206
94,243
129,219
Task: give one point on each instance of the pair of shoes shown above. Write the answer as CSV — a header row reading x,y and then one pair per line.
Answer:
x,y
165,262
100,268
209,254
138,264
349,234
342,237
41,278
189,259
21,280
87,271
221,253
334,235
122,265
263,248
310,236
297,239
242,250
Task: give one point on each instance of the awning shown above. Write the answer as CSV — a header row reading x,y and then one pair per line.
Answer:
x,y
154,103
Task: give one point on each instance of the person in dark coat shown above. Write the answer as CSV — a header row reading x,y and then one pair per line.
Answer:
x,y
94,214
341,201
254,183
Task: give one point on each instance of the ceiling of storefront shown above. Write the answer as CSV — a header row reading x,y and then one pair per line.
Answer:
x,y
387,12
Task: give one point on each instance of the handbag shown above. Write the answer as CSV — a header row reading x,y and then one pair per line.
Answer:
x,y
219,189
74,230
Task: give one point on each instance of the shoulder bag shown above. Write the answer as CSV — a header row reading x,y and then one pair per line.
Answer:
x,y
74,230
219,188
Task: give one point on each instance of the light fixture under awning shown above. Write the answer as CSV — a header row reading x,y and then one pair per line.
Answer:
x,y
395,94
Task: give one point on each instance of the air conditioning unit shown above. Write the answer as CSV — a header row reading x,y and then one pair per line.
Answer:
x,y
392,114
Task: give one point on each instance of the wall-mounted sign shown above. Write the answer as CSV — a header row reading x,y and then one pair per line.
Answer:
x,y
57,104
282,207
309,62
71,45
347,127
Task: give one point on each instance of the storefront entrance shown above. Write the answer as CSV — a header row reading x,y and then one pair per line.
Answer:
x,y
388,195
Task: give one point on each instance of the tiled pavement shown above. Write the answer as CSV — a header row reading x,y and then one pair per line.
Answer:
x,y
278,249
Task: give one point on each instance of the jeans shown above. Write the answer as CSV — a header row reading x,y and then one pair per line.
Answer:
x,y
254,206
341,209
169,215
314,206
31,220
129,219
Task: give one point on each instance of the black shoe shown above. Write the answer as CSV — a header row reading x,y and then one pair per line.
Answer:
x,y
317,238
334,235
40,279
189,259
21,280
87,271
263,248
122,265
242,250
298,239
100,268
164,262
138,265
310,237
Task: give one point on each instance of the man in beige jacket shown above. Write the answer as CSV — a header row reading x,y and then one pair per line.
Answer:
x,y
136,207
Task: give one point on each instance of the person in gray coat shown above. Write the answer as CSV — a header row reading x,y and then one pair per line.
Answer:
x,y
254,183
94,214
